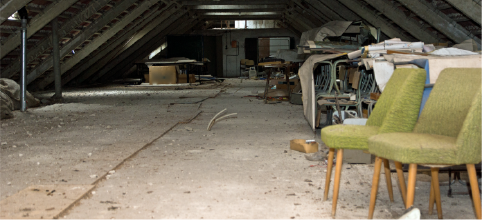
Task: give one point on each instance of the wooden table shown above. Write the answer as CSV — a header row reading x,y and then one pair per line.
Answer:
x,y
270,66
172,62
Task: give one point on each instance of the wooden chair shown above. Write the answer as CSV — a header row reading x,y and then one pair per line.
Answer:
x,y
447,133
396,110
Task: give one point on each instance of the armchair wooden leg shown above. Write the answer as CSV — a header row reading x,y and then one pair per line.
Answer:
x,y
329,168
436,191
401,181
336,185
376,180
412,179
432,199
475,189
388,178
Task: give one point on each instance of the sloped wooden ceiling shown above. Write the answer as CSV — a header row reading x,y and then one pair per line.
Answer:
x,y
99,39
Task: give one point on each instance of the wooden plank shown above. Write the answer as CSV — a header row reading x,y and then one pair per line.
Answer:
x,y
42,201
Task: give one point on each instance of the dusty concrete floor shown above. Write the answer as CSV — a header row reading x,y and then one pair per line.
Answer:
x,y
242,168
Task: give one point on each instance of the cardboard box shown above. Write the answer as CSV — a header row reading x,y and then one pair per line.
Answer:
x,y
297,89
296,98
356,79
275,93
301,146
181,78
365,113
375,96
146,76
341,73
285,87
293,84
351,75
273,82
162,75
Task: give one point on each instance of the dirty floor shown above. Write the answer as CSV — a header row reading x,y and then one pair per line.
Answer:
x,y
149,155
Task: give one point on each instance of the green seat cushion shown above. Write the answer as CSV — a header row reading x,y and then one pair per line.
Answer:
x,y
348,136
415,148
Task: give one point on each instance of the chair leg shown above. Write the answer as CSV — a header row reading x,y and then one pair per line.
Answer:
x,y
401,181
388,178
331,154
431,200
412,179
376,180
336,185
436,191
475,189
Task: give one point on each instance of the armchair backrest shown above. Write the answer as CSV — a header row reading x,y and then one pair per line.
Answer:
x,y
398,107
453,109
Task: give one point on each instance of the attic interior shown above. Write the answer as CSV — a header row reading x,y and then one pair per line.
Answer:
x,y
246,109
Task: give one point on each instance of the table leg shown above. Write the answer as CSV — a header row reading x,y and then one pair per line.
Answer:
x,y
187,76
287,74
267,86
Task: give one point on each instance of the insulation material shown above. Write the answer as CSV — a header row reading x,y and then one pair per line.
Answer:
x,y
452,52
6,106
308,86
12,89
330,29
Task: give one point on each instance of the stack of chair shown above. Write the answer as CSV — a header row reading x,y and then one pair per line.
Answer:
x,y
396,111
447,133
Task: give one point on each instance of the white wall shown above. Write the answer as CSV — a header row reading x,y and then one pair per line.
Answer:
x,y
231,64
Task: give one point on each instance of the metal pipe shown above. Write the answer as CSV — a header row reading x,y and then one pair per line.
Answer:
x,y
56,59
23,102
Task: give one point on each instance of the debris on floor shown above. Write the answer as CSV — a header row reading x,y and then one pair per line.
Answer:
x,y
305,146
215,118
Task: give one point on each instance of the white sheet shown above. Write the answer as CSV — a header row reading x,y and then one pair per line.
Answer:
x,y
308,86
383,71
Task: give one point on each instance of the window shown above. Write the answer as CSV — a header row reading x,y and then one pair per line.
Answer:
x,y
270,46
256,24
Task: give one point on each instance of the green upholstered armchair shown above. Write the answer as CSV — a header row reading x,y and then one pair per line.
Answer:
x,y
447,133
396,111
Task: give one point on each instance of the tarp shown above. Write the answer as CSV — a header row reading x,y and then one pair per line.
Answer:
x,y
330,29
308,86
